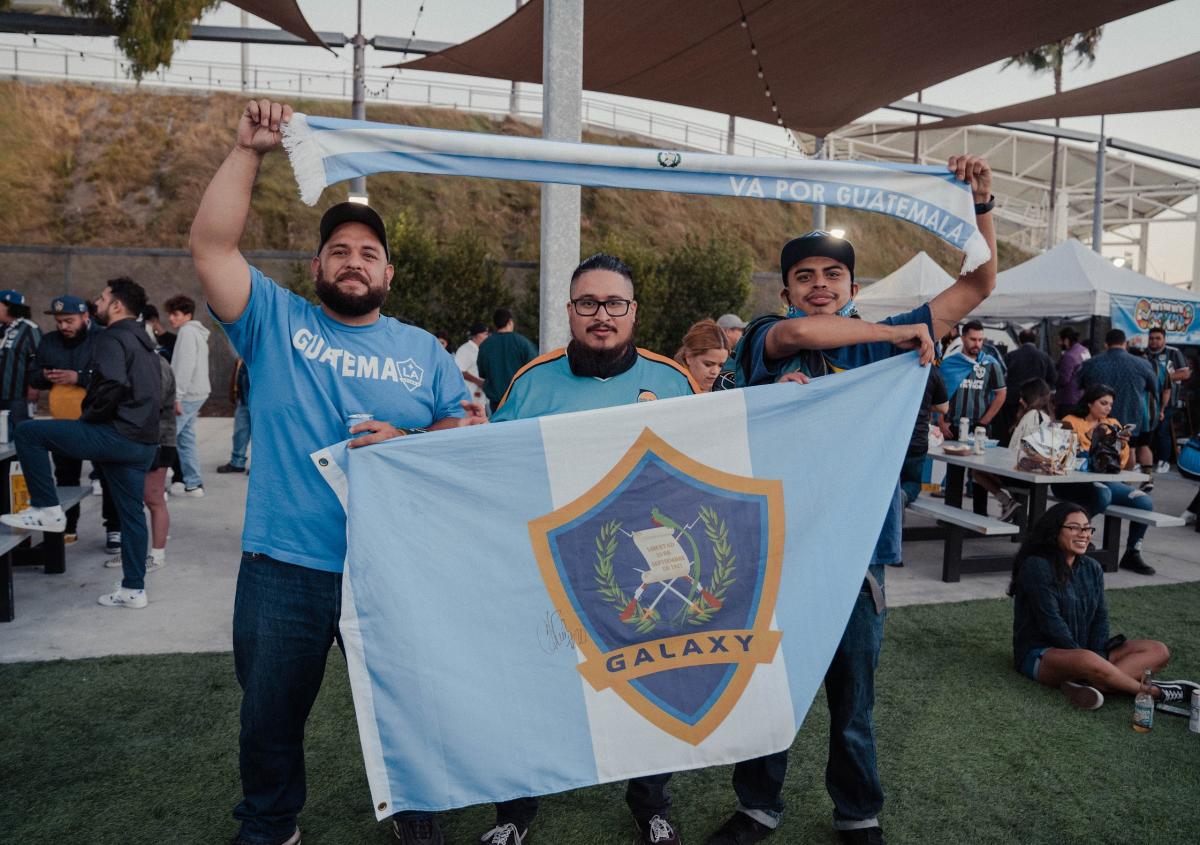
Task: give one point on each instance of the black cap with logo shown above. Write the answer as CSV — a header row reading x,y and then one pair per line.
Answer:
x,y
353,212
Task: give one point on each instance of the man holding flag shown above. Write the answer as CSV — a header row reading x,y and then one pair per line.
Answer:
x,y
327,367
819,287
600,367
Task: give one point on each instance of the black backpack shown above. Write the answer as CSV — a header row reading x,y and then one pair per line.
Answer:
x,y
1104,456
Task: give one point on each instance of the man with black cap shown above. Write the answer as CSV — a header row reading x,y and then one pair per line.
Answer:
x,y
816,340
316,370
63,366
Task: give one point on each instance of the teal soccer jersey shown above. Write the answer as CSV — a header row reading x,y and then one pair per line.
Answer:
x,y
546,385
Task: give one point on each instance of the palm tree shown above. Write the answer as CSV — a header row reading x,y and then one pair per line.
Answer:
x,y
1051,57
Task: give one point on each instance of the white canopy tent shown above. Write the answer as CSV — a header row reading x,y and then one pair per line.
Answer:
x,y
918,280
1070,281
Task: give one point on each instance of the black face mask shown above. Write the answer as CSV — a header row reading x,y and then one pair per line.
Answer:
x,y
603,363
348,305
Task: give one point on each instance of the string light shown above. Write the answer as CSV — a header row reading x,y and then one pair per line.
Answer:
x,y
412,35
761,74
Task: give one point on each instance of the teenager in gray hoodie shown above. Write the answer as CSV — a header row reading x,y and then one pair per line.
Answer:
x,y
189,362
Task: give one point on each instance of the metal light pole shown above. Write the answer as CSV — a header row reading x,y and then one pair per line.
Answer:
x,y
818,211
514,94
245,55
358,104
1098,200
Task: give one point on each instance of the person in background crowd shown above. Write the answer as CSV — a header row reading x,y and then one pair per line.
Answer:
x,y
1023,363
1060,620
289,591
1173,370
1036,408
154,490
18,354
501,355
1096,407
239,395
190,364
467,358
163,339
443,339
948,344
733,326
1067,390
601,367
1136,395
706,346
63,366
934,400
975,382
118,431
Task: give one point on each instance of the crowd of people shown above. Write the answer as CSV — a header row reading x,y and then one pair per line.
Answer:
x,y
342,366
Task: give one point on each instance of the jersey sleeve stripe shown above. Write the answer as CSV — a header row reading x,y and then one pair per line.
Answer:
x,y
670,362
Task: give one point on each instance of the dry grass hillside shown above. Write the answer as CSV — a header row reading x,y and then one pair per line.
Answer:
x,y
99,166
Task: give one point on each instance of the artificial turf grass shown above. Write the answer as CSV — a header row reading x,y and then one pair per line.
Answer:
x,y
144,749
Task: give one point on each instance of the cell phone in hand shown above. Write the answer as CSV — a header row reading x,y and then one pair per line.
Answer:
x,y
1127,428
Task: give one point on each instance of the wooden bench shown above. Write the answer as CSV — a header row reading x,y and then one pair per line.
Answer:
x,y
953,563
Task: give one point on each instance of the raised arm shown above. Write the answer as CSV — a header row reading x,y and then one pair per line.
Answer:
x,y
965,295
221,218
825,331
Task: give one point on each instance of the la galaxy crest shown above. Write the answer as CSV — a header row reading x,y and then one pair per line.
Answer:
x,y
672,569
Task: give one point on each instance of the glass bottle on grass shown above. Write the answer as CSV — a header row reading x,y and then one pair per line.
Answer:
x,y
1143,706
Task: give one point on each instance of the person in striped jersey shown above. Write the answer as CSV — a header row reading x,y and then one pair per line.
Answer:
x,y
18,350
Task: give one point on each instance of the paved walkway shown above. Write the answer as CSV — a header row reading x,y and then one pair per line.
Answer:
x,y
191,598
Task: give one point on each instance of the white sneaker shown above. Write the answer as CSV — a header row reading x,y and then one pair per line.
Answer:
x,y
113,563
97,490
123,597
176,488
196,492
38,519
1163,466
1188,517
153,564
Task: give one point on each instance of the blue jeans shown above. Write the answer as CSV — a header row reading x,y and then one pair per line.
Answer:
x,y
851,776
241,435
185,441
122,461
1161,444
1095,498
646,796
285,618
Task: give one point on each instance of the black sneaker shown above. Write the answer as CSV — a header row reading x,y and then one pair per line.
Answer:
x,y
862,836
417,831
656,830
504,834
1132,561
112,542
224,468
1176,696
740,829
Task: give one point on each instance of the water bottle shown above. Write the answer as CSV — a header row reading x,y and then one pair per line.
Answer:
x,y
1143,706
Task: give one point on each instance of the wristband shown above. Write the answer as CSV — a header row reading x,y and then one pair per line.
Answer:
x,y
985,207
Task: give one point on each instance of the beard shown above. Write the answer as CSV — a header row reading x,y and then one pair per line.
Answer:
x,y
586,362
349,304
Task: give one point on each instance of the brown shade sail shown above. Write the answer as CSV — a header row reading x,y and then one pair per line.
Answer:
x,y
825,63
1171,85
286,15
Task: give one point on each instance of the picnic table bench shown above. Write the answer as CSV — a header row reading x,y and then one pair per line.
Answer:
x,y
17,549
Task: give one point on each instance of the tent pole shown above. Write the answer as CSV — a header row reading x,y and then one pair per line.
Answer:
x,y
1098,199
562,109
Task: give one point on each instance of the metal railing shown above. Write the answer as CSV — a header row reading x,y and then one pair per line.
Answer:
x,y
398,88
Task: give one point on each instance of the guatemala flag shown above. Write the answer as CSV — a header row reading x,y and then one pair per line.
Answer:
x,y
661,585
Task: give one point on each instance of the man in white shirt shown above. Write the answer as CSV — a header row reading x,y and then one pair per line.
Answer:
x,y
467,358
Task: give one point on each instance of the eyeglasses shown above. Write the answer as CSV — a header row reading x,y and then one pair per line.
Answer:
x,y
587,307
1080,529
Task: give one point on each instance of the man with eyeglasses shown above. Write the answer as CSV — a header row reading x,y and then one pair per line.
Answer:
x,y
600,367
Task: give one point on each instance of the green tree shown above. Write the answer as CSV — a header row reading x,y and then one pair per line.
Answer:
x,y
146,30
446,283
1051,57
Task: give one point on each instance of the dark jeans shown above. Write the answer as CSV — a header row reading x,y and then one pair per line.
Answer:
x,y
910,478
108,511
851,776
285,618
123,461
646,796
67,472
1163,444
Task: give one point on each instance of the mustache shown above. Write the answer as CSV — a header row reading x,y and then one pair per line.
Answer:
x,y
353,274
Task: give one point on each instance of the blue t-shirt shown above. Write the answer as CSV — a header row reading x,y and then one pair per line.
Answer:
x,y
310,373
765,371
546,385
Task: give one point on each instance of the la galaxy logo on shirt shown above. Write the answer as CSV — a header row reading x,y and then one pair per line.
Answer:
x,y
672,569
645,395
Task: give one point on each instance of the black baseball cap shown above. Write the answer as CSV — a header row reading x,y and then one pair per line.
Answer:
x,y
816,243
353,212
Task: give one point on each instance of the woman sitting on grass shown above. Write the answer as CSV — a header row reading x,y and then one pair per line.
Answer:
x,y
1060,620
